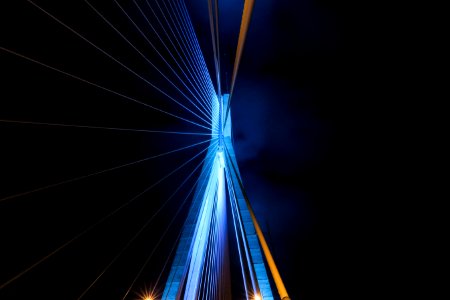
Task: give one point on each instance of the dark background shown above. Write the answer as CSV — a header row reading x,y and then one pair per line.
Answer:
x,y
298,125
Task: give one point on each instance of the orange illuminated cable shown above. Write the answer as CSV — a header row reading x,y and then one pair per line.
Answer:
x,y
268,255
245,22
272,266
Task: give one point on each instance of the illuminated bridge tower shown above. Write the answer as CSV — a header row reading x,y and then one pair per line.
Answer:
x,y
200,269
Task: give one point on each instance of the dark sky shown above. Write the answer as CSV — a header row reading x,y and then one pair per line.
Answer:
x,y
289,124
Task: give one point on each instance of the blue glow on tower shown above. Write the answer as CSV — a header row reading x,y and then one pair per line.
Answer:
x,y
199,268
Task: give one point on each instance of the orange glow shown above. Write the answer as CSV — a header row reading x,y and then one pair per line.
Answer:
x,y
147,294
257,297
147,297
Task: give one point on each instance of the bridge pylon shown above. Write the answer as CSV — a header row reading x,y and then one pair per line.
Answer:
x,y
200,268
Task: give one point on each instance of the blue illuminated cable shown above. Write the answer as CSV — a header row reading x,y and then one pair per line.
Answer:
x,y
112,213
218,249
178,37
191,37
101,87
197,85
195,67
197,81
202,285
213,154
218,38
246,250
157,244
162,57
101,127
174,245
218,244
148,61
208,170
232,202
105,53
175,170
207,265
219,84
246,246
206,270
182,36
216,255
214,43
175,60
186,39
224,240
238,243
167,63
138,233
221,237
212,259
188,21
212,253
208,162
202,282
100,172
201,232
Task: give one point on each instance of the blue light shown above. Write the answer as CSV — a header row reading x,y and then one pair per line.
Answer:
x,y
199,260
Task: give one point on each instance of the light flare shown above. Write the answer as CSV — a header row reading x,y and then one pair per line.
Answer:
x,y
146,294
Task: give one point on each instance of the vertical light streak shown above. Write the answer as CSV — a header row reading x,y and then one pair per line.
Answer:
x,y
263,287
157,244
233,213
246,250
137,234
202,228
178,271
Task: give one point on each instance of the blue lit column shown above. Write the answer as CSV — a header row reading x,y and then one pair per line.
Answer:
x,y
199,259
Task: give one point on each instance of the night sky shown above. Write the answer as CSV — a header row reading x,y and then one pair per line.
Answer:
x,y
290,123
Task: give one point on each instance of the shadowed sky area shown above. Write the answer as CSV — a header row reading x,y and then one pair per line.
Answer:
x,y
288,121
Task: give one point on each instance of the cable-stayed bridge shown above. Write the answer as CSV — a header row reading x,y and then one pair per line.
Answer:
x,y
220,223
